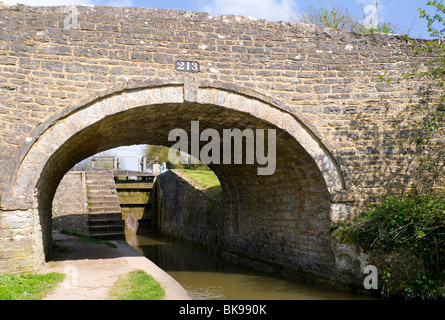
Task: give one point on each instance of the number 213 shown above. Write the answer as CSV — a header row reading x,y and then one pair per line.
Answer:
x,y
191,66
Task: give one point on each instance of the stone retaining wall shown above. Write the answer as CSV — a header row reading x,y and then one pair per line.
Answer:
x,y
183,211
70,207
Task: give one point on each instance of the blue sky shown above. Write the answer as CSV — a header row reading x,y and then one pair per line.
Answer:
x,y
402,13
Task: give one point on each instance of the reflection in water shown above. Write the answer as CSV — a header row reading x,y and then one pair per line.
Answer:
x,y
207,277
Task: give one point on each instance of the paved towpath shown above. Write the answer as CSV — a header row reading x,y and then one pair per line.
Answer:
x,y
92,269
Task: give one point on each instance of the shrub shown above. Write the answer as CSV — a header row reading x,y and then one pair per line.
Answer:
x,y
416,222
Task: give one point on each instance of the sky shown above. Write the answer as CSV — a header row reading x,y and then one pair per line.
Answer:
x,y
402,13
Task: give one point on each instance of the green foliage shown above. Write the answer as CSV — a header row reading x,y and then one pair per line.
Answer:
x,y
426,286
416,222
436,47
326,15
386,277
161,152
333,18
436,19
28,286
385,27
330,16
137,285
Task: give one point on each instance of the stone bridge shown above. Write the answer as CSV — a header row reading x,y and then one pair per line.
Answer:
x,y
78,81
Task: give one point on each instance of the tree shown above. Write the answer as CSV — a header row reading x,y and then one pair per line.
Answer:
x,y
161,152
330,16
326,15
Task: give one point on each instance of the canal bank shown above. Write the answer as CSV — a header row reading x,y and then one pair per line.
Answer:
x,y
92,269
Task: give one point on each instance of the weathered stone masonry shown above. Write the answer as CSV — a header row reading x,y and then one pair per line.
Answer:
x,y
66,94
70,205
184,211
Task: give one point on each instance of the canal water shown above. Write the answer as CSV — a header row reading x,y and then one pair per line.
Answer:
x,y
206,276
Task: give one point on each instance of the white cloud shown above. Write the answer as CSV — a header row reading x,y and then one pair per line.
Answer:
x,y
43,3
116,3
273,10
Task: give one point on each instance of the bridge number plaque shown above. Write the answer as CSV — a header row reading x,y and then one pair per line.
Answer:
x,y
187,66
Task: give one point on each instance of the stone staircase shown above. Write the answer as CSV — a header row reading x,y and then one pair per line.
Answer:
x,y
104,212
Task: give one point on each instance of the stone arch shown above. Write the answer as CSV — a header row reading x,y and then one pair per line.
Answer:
x,y
84,129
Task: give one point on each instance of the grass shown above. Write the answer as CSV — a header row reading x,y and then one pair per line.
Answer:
x,y
136,285
28,286
206,180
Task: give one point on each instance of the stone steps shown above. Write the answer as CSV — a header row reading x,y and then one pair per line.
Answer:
x,y
111,203
109,236
100,186
108,231
104,211
101,193
100,210
97,197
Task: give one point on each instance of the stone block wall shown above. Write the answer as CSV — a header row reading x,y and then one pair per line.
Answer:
x,y
70,207
182,211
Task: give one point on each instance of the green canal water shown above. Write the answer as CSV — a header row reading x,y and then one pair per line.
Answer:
x,y
206,276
